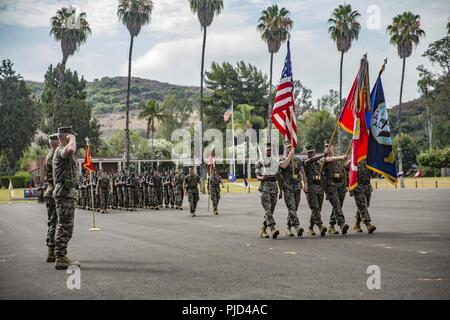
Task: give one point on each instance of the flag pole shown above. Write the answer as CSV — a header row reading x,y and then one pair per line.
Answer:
x,y
232,133
94,227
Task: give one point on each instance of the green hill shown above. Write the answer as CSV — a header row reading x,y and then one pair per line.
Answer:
x,y
108,95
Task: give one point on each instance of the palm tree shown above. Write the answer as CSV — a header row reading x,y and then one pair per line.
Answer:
x,y
274,25
244,118
71,31
344,28
134,14
205,10
404,32
151,111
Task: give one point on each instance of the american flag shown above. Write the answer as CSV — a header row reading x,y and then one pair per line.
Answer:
x,y
283,113
228,113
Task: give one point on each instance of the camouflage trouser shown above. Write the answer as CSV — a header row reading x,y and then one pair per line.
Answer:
x,y
215,198
114,198
292,200
158,197
104,195
193,197
132,197
179,194
65,209
362,194
171,196
269,201
166,196
151,202
315,201
336,196
126,202
119,197
51,221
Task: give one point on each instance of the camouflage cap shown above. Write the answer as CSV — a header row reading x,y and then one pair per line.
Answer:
x,y
53,136
310,148
68,130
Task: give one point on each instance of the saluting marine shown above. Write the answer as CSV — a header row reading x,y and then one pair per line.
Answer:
x,y
50,203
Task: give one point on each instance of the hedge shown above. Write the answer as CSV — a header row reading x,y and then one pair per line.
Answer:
x,y
17,181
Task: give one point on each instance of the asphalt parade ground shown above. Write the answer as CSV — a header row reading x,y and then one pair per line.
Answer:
x,y
167,254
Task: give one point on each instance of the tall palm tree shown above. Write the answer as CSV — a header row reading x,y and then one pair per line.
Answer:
x,y
344,28
72,31
134,14
274,25
205,10
404,32
151,111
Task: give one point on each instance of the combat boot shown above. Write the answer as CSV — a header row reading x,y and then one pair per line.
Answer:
x,y
216,212
357,227
299,231
311,231
51,254
275,232
263,232
63,262
370,228
289,232
323,230
332,230
344,228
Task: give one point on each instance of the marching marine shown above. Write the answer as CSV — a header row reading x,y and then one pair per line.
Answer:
x,y
191,183
213,187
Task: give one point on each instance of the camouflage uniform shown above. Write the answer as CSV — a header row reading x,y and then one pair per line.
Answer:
x,y
177,182
126,198
336,188
114,196
157,190
82,190
151,197
362,194
268,189
214,190
132,184
103,183
292,188
170,189
315,193
64,175
165,191
192,182
49,200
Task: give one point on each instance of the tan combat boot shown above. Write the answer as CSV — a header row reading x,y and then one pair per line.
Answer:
x,y
263,232
275,232
357,227
344,228
299,231
323,230
289,232
51,254
332,230
63,262
370,228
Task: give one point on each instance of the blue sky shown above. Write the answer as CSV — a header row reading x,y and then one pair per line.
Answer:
x,y
169,49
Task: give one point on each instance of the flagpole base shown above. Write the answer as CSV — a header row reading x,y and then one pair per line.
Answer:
x,y
95,229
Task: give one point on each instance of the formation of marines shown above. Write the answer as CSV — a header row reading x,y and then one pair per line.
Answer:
x,y
149,190
319,176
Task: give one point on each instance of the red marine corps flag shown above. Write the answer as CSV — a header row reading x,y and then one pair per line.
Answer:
x,y
87,163
353,120
283,113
